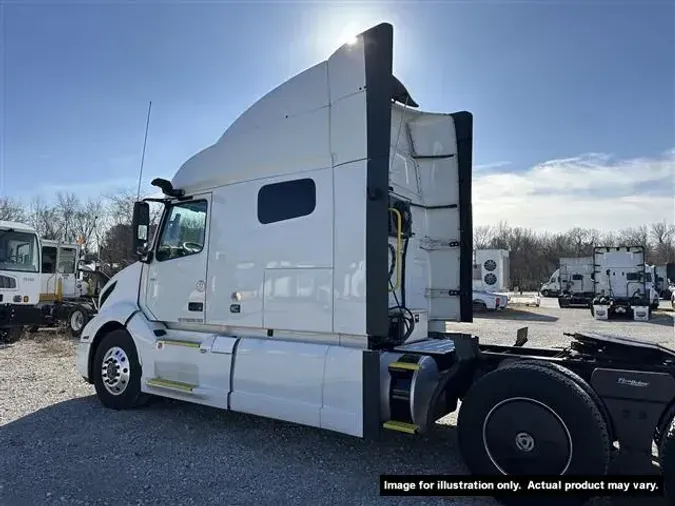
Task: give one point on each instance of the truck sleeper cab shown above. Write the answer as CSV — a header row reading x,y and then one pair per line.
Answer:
x,y
575,282
307,267
620,283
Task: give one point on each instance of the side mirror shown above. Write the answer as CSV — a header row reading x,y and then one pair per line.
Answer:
x,y
140,225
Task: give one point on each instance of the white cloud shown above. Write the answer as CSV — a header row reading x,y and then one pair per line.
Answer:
x,y
592,190
489,166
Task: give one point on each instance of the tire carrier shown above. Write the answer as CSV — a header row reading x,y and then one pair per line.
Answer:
x,y
272,294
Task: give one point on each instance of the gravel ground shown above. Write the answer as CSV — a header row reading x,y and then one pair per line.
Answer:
x,y
59,446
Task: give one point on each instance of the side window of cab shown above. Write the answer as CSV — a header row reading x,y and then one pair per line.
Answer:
x,y
183,232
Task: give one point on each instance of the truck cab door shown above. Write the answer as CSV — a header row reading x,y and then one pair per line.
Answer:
x,y
66,270
175,278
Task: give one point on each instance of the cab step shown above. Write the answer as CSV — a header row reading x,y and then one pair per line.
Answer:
x,y
408,428
160,343
177,386
404,366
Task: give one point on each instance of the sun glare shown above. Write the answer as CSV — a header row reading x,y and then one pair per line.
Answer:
x,y
348,35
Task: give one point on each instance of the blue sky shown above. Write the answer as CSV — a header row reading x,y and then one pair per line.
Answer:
x,y
559,90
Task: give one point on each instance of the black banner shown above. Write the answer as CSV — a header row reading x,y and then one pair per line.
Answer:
x,y
496,486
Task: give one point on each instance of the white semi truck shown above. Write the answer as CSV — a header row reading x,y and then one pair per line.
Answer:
x,y
551,288
19,278
68,291
622,283
575,282
339,175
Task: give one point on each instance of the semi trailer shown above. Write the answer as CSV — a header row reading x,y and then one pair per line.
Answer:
x,y
19,278
338,177
491,270
575,282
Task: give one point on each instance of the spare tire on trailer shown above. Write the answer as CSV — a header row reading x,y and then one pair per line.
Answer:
x,y
77,319
667,460
529,419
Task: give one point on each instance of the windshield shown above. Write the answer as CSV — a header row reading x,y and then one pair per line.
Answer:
x,y
19,251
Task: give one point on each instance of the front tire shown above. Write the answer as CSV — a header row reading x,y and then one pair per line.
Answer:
x,y
77,319
545,293
117,372
10,335
528,419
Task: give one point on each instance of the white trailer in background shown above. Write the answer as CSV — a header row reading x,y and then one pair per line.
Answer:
x,y
491,270
369,201
575,279
620,283
19,278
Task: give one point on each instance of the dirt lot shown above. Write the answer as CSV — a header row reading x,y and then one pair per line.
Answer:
x,y
59,446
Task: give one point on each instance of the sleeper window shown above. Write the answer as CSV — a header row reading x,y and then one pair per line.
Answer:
x,y
184,231
286,200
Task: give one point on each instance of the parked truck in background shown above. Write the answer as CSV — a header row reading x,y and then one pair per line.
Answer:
x,y
665,278
551,288
19,278
488,301
69,290
650,282
575,282
620,283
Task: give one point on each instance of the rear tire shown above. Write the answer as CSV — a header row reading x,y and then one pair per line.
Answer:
x,y
583,384
510,411
117,372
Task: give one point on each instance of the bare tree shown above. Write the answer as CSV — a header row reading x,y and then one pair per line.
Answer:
x,y
45,219
85,222
67,205
11,210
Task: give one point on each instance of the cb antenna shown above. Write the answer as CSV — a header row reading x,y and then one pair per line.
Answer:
x,y
145,143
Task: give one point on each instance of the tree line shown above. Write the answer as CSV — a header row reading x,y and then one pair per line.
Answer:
x,y
104,224
534,255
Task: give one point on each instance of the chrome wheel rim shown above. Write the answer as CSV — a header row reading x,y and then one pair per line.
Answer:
x,y
115,371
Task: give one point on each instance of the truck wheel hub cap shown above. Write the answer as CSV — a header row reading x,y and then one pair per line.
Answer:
x,y
524,442
526,436
115,371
